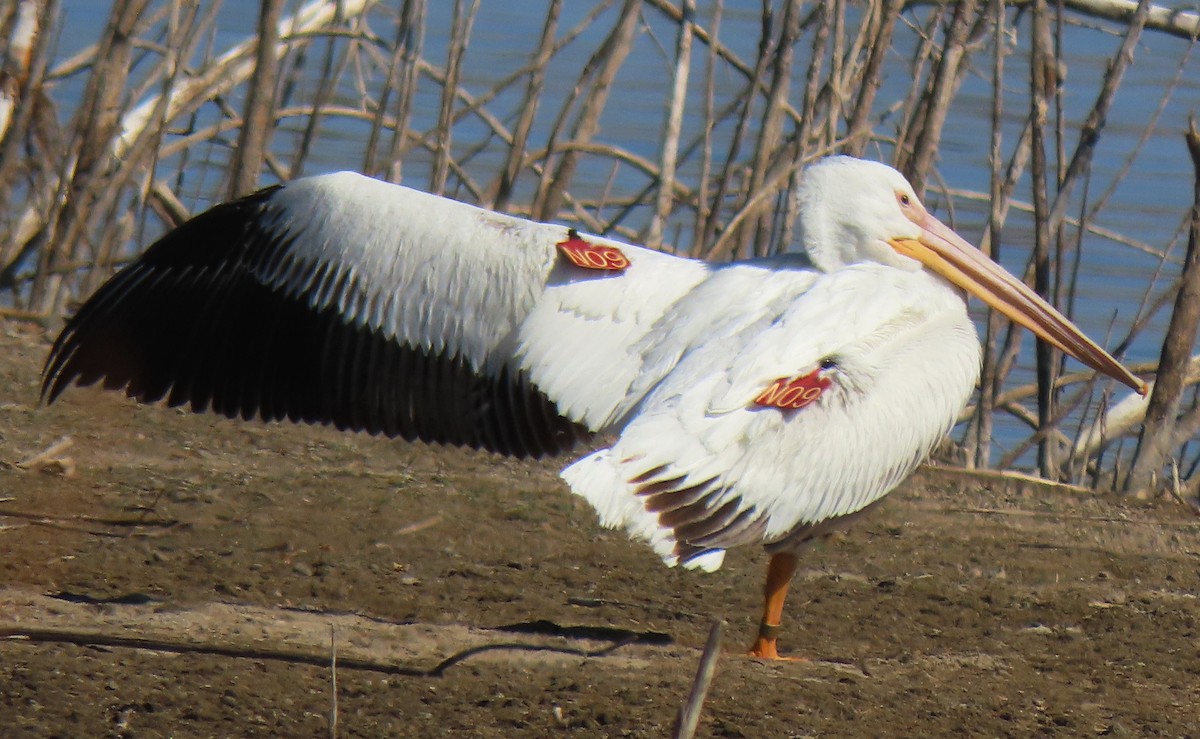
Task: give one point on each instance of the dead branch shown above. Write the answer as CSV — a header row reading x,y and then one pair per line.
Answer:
x,y
1156,441
670,145
533,94
1173,21
464,19
258,119
946,79
602,68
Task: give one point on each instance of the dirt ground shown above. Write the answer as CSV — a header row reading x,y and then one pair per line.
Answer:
x,y
164,574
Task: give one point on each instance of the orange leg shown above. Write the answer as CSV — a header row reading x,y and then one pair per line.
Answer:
x,y
779,576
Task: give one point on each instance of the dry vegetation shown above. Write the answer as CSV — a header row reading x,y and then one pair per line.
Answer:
x,y
104,150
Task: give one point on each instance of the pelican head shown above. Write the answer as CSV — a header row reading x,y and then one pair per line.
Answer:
x,y
849,208
852,211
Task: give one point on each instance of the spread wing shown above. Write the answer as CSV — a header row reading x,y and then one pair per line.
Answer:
x,y
344,300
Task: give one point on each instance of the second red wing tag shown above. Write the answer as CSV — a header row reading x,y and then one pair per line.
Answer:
x,y
592,256
793,393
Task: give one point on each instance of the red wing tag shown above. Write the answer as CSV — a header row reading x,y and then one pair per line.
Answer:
x,y
592,256
793,393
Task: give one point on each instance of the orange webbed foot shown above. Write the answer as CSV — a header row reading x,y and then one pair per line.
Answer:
x,y
767,649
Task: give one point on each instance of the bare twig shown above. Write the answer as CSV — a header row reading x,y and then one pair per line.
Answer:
x,y
670,145
689,714
333,709
258,120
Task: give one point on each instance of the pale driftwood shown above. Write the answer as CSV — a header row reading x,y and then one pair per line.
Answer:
x,y
1177,22
51,453
1122,418
1007,477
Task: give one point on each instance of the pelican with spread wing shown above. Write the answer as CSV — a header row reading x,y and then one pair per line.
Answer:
x,y
761,401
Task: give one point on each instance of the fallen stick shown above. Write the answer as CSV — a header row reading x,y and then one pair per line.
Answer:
x,y
689,714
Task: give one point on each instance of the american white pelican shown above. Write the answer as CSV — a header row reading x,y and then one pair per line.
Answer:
x,y
760,401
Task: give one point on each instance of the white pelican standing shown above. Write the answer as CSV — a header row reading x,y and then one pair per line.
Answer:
x,y
758,401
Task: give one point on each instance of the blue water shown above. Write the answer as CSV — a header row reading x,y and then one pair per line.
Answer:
x,y
1147,206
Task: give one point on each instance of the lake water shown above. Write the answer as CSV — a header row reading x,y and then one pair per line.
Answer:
x,y
1148,205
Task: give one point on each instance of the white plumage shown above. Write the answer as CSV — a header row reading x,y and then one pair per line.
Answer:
x,y
905,356
754,402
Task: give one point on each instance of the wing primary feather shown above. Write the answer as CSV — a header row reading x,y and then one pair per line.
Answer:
x,y
524,437
491,407
371,391
663,497
406,390
711,522
426,387
746,527
390,397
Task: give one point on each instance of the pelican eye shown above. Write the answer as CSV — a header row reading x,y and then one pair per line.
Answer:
x,y
904,199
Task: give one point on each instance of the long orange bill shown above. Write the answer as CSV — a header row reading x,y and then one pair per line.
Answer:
x,y
948,254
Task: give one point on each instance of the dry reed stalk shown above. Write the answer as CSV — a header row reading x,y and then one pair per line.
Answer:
x,y
533,94
879,44
325,90
751,73
814,82
1170,19
1049,217
1043,78
979,448
726,247
770,129
1151,125
477,104
333,683
834,108
412,20
97,122
390,83
258,120
464,19
912,110
703,211
601,68
946,77
111,221
670,145
1093,125
1047,429
30,128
